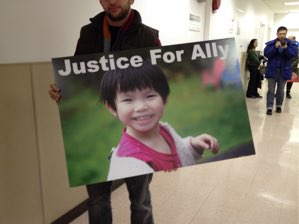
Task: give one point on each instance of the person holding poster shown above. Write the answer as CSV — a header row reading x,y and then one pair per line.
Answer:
x,y
118,27
280,53
137,97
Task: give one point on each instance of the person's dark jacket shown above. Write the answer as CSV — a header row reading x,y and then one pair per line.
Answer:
x,y
277,60
136,35
253,58
294,64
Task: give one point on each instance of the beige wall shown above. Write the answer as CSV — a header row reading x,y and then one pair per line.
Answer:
x,y
33,186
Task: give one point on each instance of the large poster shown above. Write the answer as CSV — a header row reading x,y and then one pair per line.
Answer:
x,y
202,107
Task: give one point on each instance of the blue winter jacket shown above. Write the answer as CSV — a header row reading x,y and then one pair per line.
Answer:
x,y
277,60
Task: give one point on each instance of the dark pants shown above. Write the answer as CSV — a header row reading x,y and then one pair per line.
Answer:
x,y
99,205
289,87
254,81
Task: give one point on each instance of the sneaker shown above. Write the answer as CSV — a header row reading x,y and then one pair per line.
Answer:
x,y
269,112
278,109
289,96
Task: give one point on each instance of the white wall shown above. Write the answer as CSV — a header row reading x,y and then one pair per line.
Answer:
x,y
38,30
171,18
290,21
243,20
168,16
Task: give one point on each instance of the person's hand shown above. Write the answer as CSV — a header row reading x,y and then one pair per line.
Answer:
x,y
284,45
205,141
54,93
277,44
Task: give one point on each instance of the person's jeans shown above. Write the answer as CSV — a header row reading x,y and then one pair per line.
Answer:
x,y
289,87
99,204
139,194
272,82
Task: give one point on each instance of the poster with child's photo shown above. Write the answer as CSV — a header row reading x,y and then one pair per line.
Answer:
x,y
129,113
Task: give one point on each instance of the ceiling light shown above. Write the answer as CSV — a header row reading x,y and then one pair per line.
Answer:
x,y
240,10
291,3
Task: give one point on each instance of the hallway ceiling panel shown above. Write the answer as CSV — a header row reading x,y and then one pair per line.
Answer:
x,y
277,6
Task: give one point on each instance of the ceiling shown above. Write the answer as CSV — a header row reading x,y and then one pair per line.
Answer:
x,y
277,6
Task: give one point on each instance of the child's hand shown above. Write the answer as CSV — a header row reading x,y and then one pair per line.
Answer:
x,y
205,141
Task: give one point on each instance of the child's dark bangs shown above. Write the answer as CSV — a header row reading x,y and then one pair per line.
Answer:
x,y
133,79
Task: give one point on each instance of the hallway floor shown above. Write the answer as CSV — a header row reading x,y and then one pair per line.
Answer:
x,y
258,189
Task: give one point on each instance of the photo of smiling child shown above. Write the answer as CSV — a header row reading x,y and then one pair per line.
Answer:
x,y
137,96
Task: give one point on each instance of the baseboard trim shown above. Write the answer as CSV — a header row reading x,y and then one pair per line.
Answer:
x,y
72,214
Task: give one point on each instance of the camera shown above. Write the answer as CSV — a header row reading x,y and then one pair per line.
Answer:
x,y
283,43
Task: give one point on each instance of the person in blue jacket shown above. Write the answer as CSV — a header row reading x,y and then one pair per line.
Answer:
x,y
280,53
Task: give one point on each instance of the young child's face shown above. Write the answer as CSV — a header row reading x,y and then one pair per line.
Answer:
x,y
139,110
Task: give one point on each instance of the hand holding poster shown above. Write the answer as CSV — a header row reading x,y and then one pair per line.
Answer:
x,y
172,107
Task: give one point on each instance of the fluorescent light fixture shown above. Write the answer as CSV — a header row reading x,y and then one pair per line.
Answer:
x,y
291,3
240,10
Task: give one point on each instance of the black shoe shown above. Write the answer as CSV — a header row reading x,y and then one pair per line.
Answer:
x,y
278,109
258,96
269,112
289,96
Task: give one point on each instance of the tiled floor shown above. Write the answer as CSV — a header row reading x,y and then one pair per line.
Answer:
x,y
260,189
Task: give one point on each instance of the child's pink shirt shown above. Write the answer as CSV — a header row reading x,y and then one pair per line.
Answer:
x,y
131,147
